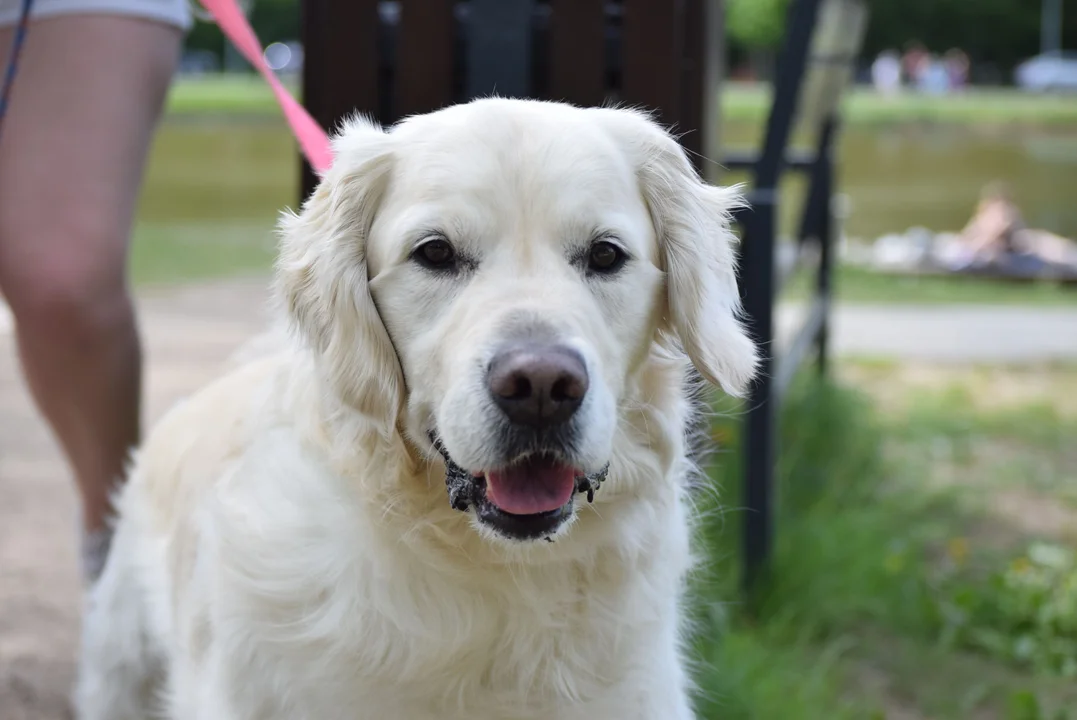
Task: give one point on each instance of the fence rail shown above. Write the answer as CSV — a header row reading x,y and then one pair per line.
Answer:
x,y
822,40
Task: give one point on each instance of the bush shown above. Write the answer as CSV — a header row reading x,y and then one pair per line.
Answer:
x,y
1025,613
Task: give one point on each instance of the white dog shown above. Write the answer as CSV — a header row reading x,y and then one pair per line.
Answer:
x,y
459,491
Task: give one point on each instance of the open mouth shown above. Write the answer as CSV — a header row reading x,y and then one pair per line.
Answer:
x,y
526,500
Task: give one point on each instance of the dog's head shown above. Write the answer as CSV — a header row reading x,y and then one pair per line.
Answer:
x,y
490,278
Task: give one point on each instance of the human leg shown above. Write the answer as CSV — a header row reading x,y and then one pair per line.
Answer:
x,y
74,142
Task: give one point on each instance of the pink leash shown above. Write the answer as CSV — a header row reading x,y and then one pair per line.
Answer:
x,y
313,140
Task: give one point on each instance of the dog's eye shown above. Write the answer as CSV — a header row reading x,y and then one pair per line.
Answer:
x,y
436,254
605,257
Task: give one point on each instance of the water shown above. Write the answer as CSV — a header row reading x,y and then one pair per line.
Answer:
x,y
931,176
214,187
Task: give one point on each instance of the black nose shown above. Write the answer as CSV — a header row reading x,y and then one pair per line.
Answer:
x,y
537,385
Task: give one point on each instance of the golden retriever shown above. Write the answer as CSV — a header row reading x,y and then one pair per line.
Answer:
x,y
458,489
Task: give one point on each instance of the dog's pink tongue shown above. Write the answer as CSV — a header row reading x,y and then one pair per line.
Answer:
x,y
531,487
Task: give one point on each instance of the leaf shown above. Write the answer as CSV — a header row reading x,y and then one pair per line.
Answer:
x,y
1052,556
1023,705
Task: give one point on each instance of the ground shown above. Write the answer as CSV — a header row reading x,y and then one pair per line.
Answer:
x,y
189,334
192,330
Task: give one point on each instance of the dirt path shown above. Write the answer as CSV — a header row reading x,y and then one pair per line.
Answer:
x,y
191,332
950,333
188,334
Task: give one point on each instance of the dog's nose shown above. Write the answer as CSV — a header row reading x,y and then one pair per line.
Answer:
x,y
537,385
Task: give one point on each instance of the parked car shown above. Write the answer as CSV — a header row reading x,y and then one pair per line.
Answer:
x,y
1051,71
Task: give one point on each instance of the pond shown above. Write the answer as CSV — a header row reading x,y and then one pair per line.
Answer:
x,y
899,177
214,187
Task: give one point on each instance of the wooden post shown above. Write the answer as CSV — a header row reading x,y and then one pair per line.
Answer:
x,y
578,51
653,56
670,59
424,62
340,65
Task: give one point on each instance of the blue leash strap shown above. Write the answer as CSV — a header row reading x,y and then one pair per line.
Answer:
x,y
13,59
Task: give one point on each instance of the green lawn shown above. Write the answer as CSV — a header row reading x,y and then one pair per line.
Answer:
x,y
856,285
913,575
981,107
250,95
224,94
213,191
164,254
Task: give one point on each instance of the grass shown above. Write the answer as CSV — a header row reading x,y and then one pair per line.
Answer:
x,y
784,659
249,95
1005,429
224,94
876,550
857,285
164,254
211,198
863,106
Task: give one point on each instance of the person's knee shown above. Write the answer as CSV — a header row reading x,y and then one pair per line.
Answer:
x,y
69,294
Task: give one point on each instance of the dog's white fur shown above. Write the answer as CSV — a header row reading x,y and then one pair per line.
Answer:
x,y
285,545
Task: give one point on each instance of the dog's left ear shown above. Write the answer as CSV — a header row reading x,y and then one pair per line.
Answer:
x,y
692,221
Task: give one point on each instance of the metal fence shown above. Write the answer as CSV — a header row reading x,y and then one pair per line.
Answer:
x,y
815,65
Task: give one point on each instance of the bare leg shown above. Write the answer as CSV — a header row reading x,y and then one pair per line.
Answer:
x,y
82,114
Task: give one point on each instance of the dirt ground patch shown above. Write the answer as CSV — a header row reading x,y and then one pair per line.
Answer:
x,y
990,387
1025,483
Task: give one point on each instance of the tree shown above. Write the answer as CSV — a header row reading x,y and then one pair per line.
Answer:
x,y
273,21
756,24
996,34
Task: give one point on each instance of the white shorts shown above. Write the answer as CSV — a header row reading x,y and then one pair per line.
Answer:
x,y
170,12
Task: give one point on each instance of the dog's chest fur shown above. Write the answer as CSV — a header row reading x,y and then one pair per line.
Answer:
x,y
389,628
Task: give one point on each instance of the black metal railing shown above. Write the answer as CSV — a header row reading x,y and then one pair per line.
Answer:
x,y
823,38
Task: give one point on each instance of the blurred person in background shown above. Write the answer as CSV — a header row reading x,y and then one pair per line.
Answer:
x,y
886,73
91,83
957,66
992,230
934,77
914,62
998,235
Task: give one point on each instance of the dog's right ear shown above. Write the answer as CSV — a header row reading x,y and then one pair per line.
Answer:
x,y
321,274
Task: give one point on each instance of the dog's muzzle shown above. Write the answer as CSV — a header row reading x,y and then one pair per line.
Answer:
x,y
467,491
